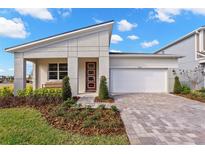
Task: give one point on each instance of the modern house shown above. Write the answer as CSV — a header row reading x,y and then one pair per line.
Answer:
x,y
84,56
192,48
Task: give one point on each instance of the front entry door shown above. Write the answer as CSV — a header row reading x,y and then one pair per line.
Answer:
x,y
90,76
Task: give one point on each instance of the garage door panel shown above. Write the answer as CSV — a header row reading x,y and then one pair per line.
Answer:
x,y
138,80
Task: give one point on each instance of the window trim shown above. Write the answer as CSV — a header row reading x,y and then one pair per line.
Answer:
x,y
58,72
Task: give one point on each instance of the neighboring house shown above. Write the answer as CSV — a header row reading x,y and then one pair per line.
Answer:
x,y
192,48
83,55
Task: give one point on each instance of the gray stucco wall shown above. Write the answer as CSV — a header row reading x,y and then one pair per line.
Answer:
x,y
184,48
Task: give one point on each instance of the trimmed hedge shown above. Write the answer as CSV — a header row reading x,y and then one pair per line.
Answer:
x,y
103,90
6,92
66,90
41,92
177,86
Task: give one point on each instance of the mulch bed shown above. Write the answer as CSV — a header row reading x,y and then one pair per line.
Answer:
x,y
76,125
108,123
190,96
98,100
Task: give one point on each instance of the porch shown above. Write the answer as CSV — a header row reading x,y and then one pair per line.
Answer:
x,y
49,72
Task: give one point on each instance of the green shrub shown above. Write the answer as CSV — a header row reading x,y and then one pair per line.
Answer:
x,y
202,90
69,103
66,90
185,89
96,116
196,93
84,113
28,91
52,92
114,108
88,107
72,115
78,106
177,86
103,90
88,123
6,92
60,111
101,107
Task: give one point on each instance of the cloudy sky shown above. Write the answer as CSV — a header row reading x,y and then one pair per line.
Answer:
x,y
135,30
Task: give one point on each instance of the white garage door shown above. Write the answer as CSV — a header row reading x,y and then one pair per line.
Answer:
x,y
138,80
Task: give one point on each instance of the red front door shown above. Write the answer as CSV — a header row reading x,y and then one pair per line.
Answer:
x,y
90,76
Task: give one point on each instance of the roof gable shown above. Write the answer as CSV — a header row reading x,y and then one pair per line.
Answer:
x,y
66,35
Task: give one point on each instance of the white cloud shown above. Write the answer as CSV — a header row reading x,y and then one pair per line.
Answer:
x,y
167,15
97,20
11,69
2,70
198,11
65,12
149,44
39,13
133,37
13,28
124,25
116,39
115,51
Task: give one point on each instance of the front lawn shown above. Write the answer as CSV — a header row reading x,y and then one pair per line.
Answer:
x,y
25,125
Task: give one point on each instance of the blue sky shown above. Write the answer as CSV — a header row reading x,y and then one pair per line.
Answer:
x,y
135,30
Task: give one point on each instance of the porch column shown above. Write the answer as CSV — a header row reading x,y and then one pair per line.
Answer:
x,y
73,74
34,74
19,72
104,68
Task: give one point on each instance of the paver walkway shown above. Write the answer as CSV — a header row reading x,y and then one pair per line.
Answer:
x,y
89,101
162,119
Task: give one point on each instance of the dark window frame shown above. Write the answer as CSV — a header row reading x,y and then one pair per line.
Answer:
x,y
58,71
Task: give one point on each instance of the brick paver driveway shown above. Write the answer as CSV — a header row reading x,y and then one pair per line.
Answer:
x,y
162,119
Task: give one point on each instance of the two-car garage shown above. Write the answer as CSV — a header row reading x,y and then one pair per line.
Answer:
x,y
138,73
133,80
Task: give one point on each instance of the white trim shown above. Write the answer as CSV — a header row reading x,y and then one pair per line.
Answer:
x,y
146,55
196,39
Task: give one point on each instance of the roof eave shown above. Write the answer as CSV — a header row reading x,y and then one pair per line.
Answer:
x,y
147,55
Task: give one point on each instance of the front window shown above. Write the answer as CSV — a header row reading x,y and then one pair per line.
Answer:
x,y
57,71
63,70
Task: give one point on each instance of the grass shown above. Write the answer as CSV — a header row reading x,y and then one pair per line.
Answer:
x,y
27,126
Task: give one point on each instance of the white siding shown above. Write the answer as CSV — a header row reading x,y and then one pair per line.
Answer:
x,y
139,62
93,44
185,48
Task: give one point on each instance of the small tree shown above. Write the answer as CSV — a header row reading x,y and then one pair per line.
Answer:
x,y
177,86
66,89
103,90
